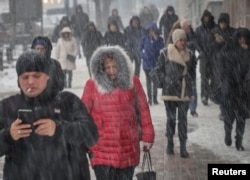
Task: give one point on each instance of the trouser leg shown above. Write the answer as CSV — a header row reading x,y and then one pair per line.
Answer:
x,y
137,61
149,87
182,127
170,125
70,75
240,129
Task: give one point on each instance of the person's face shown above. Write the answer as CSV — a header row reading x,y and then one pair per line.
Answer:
x,y
222,25
41,49
66,35
135,23
110,67
33,83
242,42
65,23
187,28
181,44
170,12
206,19
113,28
91,28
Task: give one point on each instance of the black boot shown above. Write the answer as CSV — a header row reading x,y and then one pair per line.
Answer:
x,y
170,131
170,147
238,144
183,150
228,139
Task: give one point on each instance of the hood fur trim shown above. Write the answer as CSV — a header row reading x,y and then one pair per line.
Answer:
x,y
125,73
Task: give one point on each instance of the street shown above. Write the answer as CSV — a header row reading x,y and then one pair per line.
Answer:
x,y
205,134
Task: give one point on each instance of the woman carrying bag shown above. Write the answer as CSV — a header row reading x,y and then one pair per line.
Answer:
x,y
65,53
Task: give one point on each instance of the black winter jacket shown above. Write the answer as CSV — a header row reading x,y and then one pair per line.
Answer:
x,y
176,75
60,157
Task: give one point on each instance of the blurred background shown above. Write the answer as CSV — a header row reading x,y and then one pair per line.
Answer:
x,y
22,20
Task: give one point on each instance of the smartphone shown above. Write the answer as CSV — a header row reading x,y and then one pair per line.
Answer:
x,y
26,115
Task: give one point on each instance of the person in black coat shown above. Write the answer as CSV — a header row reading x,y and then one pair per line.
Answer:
x,y
134,33
167,21
64,22
113,36
204,37
235,87
43,45
176,70
52,141
79,21
91,41
117,18
223,35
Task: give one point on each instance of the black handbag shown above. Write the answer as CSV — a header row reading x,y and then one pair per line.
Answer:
x,y
149,174
71,58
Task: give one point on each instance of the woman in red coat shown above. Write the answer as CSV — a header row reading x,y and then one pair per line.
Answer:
x,y
112,96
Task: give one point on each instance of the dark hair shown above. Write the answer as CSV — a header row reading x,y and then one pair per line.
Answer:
x,y
47,42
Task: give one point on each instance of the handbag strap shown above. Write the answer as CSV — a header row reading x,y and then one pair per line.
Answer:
x,y
147,159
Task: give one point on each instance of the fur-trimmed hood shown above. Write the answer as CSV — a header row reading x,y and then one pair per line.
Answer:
x,y
125,73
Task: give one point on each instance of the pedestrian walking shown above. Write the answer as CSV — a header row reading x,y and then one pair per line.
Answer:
x,y
44,134
64,22
149,49
167,21
134,32
91,41
146,16
204,38
176,66
65,53
112,96
234,78
113,36
43,45
79,21
117,18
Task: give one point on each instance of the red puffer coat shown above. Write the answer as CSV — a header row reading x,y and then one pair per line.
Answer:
x,y
114,115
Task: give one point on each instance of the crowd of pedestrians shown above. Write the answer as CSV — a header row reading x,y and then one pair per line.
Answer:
x,y
103,124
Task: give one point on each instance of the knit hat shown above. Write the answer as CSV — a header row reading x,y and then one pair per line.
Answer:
x,y
31,61
178,34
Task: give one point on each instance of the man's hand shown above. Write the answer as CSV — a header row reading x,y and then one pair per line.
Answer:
x,y
45,127
19,130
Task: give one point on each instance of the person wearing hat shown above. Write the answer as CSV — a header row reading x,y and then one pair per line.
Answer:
x,y
66,46
51,141
43,45
176,64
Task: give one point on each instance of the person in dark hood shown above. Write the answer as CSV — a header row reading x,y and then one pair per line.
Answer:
x,y
92,40
167,20
204,38
146,16
43,45
64,22
134,33
52,141
79,22
149,49
113,36
112,96
223,35
116,17
234,78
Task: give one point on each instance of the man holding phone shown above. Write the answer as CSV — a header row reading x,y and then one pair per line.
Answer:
x,y
55,149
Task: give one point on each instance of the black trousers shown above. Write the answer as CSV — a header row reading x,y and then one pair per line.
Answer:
x,y
110,173
172,107
151,85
